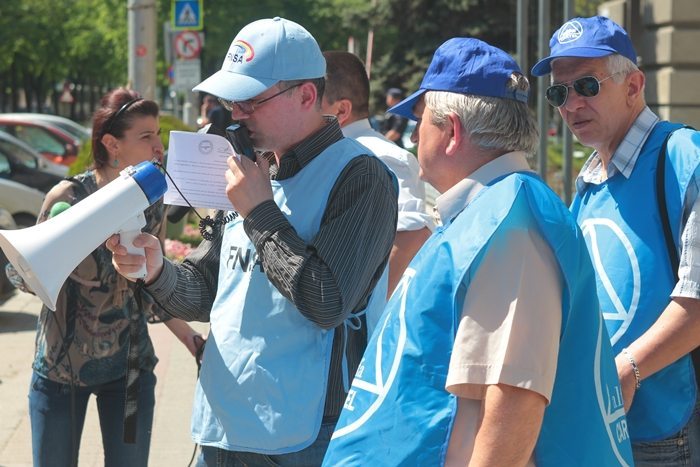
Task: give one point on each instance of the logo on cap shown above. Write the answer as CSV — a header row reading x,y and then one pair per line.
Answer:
x,y
240,51
570,32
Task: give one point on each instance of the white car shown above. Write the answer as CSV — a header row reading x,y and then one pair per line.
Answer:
x,y
6,287
22,202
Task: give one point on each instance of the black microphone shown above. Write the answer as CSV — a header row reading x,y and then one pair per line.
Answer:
x,y
240,140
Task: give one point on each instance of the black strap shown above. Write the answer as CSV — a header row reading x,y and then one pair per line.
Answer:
x,y
673,257
133,368
72,295
663,209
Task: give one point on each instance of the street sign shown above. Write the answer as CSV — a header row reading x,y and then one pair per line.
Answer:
x,y
187,14
188,44
188,74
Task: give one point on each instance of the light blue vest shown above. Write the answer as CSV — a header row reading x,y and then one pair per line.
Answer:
x,y
262,385
398,411
622,227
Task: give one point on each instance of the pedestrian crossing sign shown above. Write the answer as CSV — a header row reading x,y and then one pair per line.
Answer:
x,y
187,15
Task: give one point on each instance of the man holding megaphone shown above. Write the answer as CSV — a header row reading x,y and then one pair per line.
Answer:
x,y
285,284
82,347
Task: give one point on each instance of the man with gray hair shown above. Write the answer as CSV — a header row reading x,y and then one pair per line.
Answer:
x,y
637,204
492,349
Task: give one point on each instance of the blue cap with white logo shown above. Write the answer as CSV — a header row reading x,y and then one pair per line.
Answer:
x,y
263,53
466,66
593,37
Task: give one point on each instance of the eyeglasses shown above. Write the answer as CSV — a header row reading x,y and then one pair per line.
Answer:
x,y
249,106
587,86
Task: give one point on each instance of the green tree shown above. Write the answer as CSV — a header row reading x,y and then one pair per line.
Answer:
x,y
49,41
98,47
224,18
85,41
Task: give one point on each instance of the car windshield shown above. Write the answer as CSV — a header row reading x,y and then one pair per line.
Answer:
x,y
71,130
40,139
18,153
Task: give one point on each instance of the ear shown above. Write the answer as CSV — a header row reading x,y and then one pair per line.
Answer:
x,y
343,111
454,134
110,142
308,94
635,86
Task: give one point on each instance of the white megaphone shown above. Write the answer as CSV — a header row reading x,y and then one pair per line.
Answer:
x,y
45,254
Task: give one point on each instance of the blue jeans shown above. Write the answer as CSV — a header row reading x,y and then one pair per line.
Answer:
x,y
681,449
312,456
53,424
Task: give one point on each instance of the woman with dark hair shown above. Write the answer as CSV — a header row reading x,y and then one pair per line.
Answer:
x,y
82,347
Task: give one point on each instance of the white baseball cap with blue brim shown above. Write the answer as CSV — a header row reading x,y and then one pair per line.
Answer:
x,y
263,53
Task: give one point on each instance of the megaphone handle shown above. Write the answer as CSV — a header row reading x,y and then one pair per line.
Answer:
x,y
126,238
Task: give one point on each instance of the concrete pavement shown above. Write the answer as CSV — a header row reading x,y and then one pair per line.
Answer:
x,y
176,372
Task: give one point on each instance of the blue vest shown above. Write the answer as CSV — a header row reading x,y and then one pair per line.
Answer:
x,y
398,411
262,385
621,224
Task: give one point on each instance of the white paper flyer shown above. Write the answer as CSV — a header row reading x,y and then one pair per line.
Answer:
x,y
197,164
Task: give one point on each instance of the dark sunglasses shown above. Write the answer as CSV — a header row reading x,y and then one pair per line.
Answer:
x,y
587,86
248,107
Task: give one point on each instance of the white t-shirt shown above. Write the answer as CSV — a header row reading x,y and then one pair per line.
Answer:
x,y
412,212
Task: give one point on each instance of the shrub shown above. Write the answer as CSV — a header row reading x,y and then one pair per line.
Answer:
x,y
176,250
191,235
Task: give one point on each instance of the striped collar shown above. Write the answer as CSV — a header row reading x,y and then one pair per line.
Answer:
x,y
625,156
303,153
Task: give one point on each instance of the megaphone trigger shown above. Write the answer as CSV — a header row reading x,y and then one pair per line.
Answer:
x,y
127,234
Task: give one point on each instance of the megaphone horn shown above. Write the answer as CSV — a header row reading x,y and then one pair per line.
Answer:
x,y
44,255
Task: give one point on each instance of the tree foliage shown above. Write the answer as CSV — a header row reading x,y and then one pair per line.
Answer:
x,y
49,41
46,42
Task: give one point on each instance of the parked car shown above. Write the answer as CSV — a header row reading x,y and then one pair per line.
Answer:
x,y
28,156
6,287
21,201
25,167
53,143
78,131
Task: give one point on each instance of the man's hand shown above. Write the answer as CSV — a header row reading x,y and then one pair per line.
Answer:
x,y
628,382
188,336
126,263
248,183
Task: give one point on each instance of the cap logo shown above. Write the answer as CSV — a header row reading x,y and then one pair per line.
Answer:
x,y
240,51
571,31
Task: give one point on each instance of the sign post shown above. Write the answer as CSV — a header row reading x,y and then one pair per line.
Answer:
x,y
187,20
142,46
187,15
188,45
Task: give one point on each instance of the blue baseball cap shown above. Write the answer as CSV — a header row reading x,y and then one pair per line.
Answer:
x,y
263,53
593,37
466,66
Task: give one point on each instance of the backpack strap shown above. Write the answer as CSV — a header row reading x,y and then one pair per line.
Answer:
x,y
672,250
71,289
